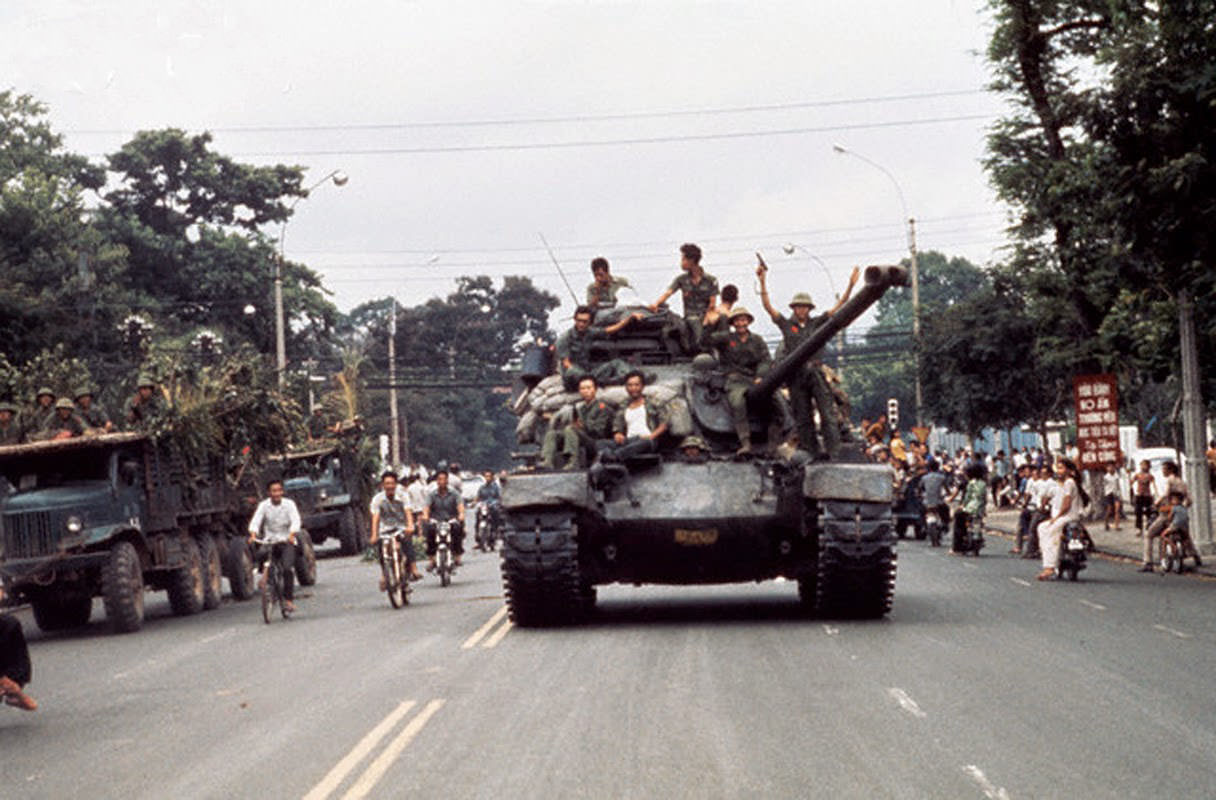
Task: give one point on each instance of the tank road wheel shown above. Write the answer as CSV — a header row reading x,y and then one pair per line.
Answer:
x,y
855,588
240,566
122,588
348,532
541,574
306,560
185,587
213,571
62,610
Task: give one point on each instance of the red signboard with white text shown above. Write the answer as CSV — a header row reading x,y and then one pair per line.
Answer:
x,y
1097,406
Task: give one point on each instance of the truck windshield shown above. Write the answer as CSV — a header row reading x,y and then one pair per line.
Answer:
x,y
44,470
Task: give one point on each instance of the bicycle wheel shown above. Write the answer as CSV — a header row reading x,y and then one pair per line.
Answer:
x,y
404,573
268,593
392,575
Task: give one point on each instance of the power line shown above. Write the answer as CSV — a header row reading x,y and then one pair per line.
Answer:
x,y
624,115
694,137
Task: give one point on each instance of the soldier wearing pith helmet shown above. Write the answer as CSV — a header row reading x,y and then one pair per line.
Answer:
x,y
744,357
10,428
36,418
91,411
66,423
144,406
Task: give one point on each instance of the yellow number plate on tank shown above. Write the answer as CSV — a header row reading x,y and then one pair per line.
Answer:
x,y
696,537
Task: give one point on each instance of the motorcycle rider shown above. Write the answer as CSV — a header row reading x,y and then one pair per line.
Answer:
x,y
391,515
444,505
933,485
1067,505
490,494
975,501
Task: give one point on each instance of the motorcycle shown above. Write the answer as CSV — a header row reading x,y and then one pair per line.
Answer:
x,y
444,567
971,539
488,530
933,527
1073,545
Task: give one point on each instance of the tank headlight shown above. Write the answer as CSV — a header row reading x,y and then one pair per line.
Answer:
x,y
324,494
74,524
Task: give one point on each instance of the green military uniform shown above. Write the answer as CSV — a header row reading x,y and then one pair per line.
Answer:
x,y
598,295
594,432
743,360
95,415
10,429
696,298
142,413
318,426
807,385
72,422
576,346
34,421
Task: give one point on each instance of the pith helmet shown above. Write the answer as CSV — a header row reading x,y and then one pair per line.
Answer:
x,y
693,441
83,391
740,311
63,402
44,390
146,380
7,406
802,299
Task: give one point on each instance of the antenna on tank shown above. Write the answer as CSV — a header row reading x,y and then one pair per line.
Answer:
x,y
553,258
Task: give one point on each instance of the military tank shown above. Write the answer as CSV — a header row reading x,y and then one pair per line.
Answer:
x,y
664,518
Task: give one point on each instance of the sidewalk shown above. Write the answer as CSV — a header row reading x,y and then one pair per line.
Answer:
x,y
1122,543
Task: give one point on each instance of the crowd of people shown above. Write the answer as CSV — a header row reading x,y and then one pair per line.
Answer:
x,y
50,417
1047,489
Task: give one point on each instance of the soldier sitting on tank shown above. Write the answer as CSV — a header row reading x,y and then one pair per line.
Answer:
x,y
35,420
144,407
66,423
699,291
10,428
574,351
744,357
601,292
718,318
93,414
640,426
589,433
693,449
808,387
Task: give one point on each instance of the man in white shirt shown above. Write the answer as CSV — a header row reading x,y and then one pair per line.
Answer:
x,y
639,426
277,522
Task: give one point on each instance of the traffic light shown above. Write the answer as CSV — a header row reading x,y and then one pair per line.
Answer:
x,y
893,414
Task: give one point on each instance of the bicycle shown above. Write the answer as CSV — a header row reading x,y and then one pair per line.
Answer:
x,y
272,581
393,566
1173,551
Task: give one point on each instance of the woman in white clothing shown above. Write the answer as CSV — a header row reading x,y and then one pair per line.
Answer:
x,y
1067,505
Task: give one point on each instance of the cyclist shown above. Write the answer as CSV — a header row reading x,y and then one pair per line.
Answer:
x,y
392,515
444,504
277,521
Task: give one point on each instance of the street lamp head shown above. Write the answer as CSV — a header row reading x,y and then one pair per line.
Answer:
x,y
788,247
839,149
250,310
339,178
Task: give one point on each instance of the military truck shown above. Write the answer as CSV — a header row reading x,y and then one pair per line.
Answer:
x,y
325,482
110,516
664,518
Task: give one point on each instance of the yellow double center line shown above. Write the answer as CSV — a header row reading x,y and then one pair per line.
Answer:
x,y
375,771
481,632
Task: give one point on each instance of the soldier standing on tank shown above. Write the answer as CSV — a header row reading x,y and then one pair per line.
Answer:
x,y
587,434
601,292
744,357
10,429
66,423
808,387
574,351
91,412
36,418
144,407
699,291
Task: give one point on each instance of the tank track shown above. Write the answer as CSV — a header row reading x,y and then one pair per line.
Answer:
x,y
855,586
540,572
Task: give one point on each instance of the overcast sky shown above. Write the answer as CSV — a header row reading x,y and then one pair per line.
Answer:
x,y
358,86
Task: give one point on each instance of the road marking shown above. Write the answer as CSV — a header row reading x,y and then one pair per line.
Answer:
x,y
372,775
480,633
216,636
830,631
1173,631
1020,581
359,752
990,789
907,703
1094,606
498,634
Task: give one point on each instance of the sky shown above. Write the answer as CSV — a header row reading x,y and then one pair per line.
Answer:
x,y
469,130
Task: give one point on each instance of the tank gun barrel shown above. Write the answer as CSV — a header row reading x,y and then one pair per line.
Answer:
x,y
876,281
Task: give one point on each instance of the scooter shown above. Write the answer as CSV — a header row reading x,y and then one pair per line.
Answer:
x,y
971,540
1074,543
933,527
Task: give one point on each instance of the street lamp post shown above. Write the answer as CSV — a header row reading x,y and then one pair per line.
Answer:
x,y
788,248
339,178
913,271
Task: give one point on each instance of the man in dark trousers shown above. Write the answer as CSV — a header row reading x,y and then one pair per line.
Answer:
x,y
15,668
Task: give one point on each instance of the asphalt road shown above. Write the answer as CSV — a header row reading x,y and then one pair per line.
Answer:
x,y
982,683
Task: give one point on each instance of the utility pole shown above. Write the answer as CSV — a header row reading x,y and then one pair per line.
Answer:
x,y
1194,461
394,428
915,272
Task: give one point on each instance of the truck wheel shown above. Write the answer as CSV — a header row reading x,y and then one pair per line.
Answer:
x,y
62,610
306,560
348,533
213,571
240,564
186,583
122,589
